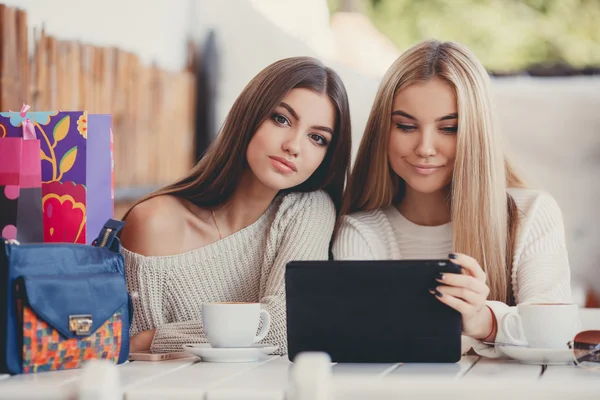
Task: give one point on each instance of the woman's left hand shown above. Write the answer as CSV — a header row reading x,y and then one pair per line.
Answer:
x,y
467,293
142,341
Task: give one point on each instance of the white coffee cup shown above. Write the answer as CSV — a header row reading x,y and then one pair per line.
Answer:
x,y
234,324
542,325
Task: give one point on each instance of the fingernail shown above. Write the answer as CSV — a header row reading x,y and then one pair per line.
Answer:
x,y
452,256
440,276
438,293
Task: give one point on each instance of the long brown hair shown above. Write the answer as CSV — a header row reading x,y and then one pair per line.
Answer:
x,y
213,180
484,216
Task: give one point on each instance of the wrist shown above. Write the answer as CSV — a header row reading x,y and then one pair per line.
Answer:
x,y
487,325
142,341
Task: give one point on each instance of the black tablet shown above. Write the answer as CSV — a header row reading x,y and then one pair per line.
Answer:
x,y
371,311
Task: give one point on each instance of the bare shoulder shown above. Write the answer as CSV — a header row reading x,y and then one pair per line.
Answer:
x,y
155,227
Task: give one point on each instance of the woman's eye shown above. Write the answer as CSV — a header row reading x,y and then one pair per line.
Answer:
x,y
406,128
280,119
450,129
320,140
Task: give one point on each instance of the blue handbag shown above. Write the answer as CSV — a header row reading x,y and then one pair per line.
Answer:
x,y
63,304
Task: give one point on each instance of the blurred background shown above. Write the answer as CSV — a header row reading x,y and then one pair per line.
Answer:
x,y
168,72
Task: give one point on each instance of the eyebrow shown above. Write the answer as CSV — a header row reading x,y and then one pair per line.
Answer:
x,y
295,115
407,115
290,109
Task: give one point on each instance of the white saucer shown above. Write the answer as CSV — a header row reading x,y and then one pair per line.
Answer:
x,y
539,356
230,354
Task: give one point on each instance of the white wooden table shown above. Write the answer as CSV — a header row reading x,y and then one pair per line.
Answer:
x,y
472,378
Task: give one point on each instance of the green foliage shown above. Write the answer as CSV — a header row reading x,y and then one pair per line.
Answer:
x,y
505,34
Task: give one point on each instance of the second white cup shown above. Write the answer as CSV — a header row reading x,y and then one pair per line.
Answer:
x,y
542,325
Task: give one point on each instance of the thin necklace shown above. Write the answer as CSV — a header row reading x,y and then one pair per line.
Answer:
x,y
217,225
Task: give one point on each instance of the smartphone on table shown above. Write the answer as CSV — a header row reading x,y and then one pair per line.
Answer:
x,y
147,356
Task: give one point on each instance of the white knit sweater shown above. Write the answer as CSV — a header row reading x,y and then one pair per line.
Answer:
x,y
540,268
247,266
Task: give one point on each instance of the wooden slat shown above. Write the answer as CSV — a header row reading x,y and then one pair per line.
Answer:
x,y
503,369
108,75
9,67
74,77
62,81
96,81
52,88
44,386
165,124
269,381
439,371
132,122
41,74
141,373
145,131
23,56
86,87
118,114
192,382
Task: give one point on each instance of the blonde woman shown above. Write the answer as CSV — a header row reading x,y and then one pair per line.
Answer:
x,y
431,180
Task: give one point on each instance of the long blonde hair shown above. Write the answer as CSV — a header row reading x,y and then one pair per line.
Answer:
x,y
484,216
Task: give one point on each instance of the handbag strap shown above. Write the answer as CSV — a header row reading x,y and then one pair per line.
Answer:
x,y
108,236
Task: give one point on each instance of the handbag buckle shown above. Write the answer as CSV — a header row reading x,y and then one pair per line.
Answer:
x,y
80,324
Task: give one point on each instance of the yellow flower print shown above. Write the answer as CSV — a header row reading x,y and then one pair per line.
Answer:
x,y
82,124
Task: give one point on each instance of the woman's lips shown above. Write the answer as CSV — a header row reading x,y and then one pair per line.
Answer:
x,y
283,165
426,169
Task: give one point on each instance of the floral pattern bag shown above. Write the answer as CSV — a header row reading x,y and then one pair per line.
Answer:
x,y
77,170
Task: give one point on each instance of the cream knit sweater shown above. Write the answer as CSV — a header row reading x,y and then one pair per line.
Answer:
x,y
540,268
247,266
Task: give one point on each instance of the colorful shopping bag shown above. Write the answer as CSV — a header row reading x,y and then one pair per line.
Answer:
x,y
77,171
20,188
